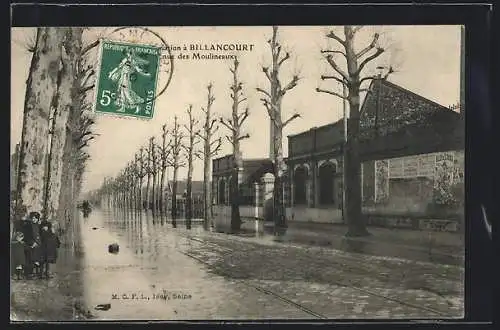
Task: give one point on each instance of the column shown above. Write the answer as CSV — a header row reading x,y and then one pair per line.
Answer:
x,y
228,189
311,185
256,189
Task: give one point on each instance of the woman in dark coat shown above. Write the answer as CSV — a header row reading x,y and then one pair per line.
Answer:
x,y
36,251
50,244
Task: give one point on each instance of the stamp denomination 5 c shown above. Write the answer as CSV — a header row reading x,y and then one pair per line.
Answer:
x,y
127,79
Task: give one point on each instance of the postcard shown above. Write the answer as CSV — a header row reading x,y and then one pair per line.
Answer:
x,y
237,173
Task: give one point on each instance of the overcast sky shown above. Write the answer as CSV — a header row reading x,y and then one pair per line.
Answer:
x,y
427,59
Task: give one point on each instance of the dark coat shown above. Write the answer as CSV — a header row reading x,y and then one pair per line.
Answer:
x,y
36,252
17,255
27,230
50,244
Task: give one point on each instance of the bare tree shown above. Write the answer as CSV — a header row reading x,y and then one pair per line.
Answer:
x,y
234,124
158,170
352,80
42,85
164,154
211,147
176,163
272,100
141,161
149,172
154,172
190,149
129,185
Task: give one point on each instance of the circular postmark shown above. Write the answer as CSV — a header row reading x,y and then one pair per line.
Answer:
x,y
135,68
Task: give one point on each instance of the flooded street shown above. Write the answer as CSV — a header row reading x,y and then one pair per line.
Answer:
x,y
166,273
151,279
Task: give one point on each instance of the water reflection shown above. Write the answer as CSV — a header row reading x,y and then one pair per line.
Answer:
x,y
146,234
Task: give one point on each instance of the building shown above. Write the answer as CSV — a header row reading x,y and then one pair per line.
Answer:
x,y
410,148
407,145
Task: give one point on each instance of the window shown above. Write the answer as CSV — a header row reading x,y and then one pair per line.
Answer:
x,y
326,183
222,191
300,185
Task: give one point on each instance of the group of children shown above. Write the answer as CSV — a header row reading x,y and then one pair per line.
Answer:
x,y
33,247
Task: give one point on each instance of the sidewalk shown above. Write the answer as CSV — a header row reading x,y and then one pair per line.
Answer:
x,y
441,247
56,299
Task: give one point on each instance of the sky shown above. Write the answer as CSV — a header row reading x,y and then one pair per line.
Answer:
x,y
426,59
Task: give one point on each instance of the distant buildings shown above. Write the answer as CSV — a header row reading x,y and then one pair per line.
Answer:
x,y
412,152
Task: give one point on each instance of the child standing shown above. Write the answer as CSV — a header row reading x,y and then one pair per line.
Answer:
x,y
18,259
50,244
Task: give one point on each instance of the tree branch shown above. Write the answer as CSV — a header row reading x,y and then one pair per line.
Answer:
x,y
229,139
263,92
212,124
242,137
290,85
286,57
330,92
229,124
86,89
342,81
357,28
266,71
334,65
332,35
367,78
334,52
87,77
243,116
89,47
242,100
290,119
369,47
370,58
267,105
214,151
201,136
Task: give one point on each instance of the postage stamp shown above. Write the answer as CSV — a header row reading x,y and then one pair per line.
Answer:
x,y
127,79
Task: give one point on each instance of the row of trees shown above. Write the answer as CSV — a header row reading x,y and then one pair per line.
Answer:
x,y
57,124
351,79
179,146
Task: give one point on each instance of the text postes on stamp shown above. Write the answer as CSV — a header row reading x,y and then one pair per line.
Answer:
x,y
127,79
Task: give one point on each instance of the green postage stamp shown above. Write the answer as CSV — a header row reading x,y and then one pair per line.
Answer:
x,y
127,79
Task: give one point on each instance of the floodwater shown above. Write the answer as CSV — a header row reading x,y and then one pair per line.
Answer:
x,y
150,279
153,276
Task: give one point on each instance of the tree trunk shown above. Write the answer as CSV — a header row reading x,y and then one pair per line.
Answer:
x,y
65,100
162,189
174,198
356,223
235,189
146,206
278,202
206,185
153,194
189,192
40,89
158,193
139,204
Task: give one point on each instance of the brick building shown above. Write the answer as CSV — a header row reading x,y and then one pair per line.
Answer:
x,y
412,152
407,145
